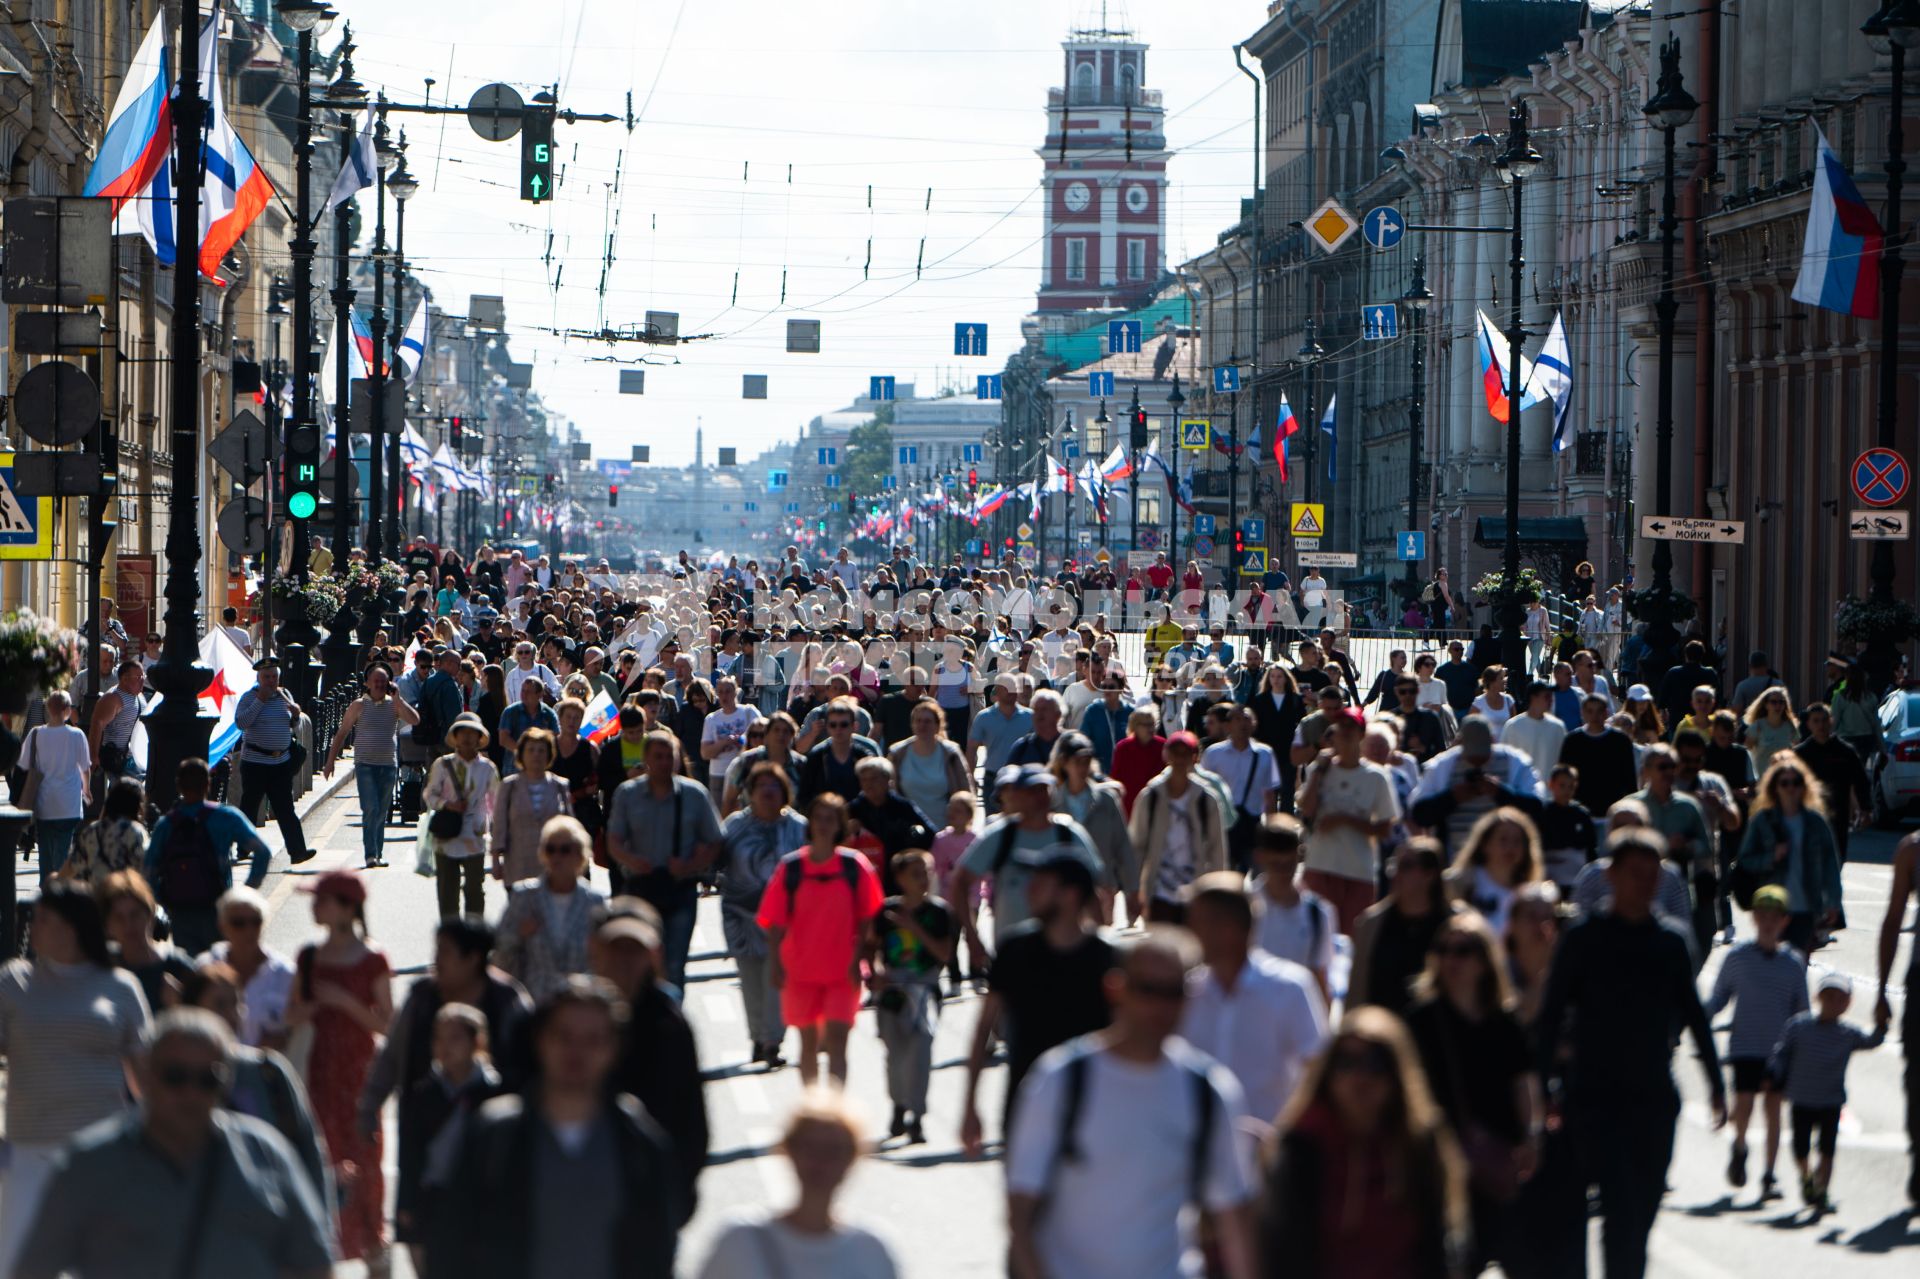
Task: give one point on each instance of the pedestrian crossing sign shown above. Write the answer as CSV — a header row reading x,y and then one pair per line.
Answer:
x,y
26,523
1309,519
1253,561
1195,433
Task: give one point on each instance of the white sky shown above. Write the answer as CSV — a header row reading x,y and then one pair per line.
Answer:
x,y
901,94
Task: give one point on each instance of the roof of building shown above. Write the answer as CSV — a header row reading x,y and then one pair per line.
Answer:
x,y
1503,38
1148,364
1080,349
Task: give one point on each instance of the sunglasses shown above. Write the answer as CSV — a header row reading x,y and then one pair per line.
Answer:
x,y
562,850
210,1080
1370,1060
1457,950
1795,782
839,723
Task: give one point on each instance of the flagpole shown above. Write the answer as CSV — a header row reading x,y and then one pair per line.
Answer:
x,y
177,730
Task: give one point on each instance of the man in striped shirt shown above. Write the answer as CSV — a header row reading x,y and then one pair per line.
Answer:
x,y
268,717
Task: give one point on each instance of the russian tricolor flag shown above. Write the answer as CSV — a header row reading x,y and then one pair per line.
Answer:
x,y
1840,261
140,130
363,343
602,723
1289,425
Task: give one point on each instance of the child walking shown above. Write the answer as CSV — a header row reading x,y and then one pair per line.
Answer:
x,y
949,846
1766,982
913,940
1810,1063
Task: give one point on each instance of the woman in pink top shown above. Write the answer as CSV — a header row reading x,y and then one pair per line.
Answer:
x,y
1140,755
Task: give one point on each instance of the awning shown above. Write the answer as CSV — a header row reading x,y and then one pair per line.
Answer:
x,y
1537,530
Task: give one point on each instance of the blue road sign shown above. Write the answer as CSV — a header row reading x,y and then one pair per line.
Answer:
x,y
1100,385
880,388
969,339
1383,227
1253,561
1254,528
1202,545
1070,449
973,546
1410,546
1880,477
1203,525
1379,322
987,387
1123,337
1226,378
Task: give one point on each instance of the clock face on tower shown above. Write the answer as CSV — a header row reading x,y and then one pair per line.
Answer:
x,y
1136,199
1077,197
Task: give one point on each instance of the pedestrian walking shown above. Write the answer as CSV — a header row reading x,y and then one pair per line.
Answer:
x,y
817,940
458,795
1500,858
265,975
372,725
1766,982
1809,1065
271,755
753,840
1348,804
542,935
58,791
663,834
1905,886
1179,830
523,804
189,861
115,840
1788,842
913,939
128,913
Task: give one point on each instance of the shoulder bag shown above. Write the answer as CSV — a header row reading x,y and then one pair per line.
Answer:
x,y
29,788
447,823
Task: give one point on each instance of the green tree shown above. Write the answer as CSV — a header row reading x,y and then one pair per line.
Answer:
x,y
869,456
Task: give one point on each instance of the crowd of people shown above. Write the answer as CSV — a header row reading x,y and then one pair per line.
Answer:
x,y
1373,983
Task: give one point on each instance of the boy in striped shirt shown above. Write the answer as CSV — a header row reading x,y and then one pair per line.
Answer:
x,y
1766,982
1810,1065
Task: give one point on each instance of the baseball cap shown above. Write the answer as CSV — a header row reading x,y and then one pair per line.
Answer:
x,y
1347,715
1023,775
1639,693
1770,897
1184,738
344,884
1835,981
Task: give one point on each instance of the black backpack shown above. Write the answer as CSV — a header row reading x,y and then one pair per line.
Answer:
x,y
793,866
189,870
1062,837
1199,1146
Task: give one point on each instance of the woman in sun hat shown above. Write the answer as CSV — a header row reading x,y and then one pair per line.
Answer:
x,y
462,783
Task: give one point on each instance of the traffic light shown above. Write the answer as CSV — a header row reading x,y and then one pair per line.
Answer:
x,y
613,495
973,477
454,426
536,153
303,470
821,526
1137,440
1239,543
1009,544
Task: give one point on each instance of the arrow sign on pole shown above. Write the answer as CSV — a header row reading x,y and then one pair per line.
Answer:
x,y
1670,528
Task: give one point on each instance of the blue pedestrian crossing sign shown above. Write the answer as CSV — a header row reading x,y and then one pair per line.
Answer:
x,y
1226,378
1410,546
1254,529
1123,337
1383,227
973,546
26,523
1203,525
880,388
1195,433
1100,386
1379,322
1253,561
987,387
969,339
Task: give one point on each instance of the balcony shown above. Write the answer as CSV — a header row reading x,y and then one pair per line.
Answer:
x,y
1590,453
1105,96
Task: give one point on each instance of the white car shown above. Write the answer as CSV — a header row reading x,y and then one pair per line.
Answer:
x,y
1896,782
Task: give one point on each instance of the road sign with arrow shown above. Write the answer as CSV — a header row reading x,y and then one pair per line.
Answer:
x,y
1669,528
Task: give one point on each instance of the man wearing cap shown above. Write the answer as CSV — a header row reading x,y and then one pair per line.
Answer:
x,y
1620,988
659,1062
1027,833
1348,803
1759,678
268,719
1470,779
255,1212
1179,827
189,879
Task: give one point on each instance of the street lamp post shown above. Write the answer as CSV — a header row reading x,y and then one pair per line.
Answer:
x,y
1308,357
402,185
345,91
1893,30
1670,108
1418,298
1515,165
373,608
1170,443
177,729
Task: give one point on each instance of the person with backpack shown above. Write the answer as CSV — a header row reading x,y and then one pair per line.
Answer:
x,y
190,858
818,912
1087,1196
1180,831
1027,833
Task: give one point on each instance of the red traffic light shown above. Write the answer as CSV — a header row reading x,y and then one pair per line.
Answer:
x,y
613,495
973,477
1239,541
1009,544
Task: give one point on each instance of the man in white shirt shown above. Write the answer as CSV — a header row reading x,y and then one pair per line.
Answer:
x,y
1290,922
1259,1016
1253,782
1538,733
1118,1132
1348,804
847,571
723,735
1588,679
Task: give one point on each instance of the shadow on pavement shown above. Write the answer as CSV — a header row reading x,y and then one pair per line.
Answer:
x,y
1896,1231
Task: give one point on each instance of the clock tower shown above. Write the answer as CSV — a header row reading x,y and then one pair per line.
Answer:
x,y
1105,177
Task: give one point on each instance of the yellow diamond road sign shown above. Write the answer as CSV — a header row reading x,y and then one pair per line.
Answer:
x,y
1309,519
1331,226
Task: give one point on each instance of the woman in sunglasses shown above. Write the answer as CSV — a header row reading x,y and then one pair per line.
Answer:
x,y
1789,842
1364,1178
543,932
1480,1067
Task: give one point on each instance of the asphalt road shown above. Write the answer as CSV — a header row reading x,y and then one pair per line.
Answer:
x,y
944,1213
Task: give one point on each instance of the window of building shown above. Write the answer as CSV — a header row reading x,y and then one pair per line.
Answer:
x,y
1076,259
1136,259
1149,509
